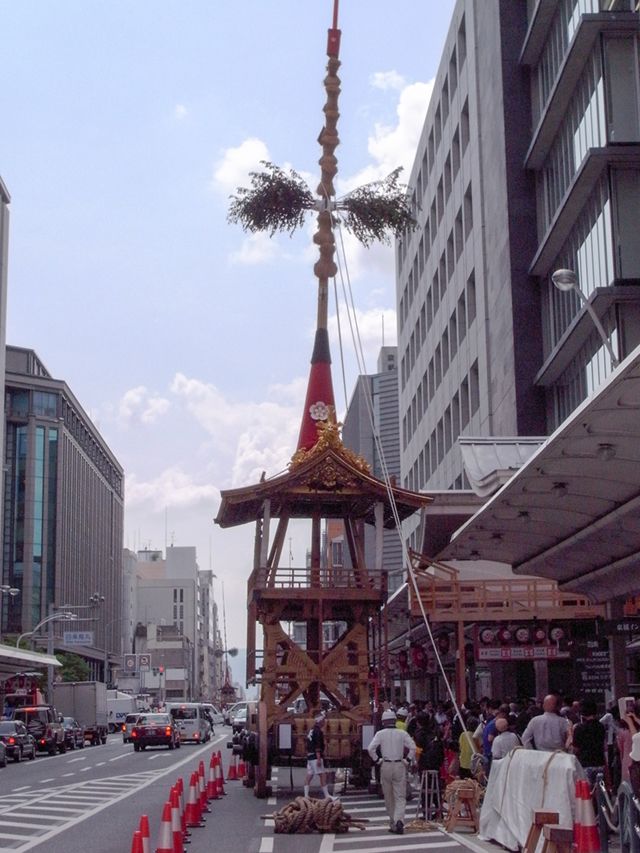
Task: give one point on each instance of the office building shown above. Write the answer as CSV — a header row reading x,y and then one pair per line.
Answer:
x,y
63,510
528,162
373,409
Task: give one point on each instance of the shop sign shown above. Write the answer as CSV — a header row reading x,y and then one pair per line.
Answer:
x,y
521,653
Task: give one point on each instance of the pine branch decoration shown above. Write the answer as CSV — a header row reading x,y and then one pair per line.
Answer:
x,y
376,210
276,201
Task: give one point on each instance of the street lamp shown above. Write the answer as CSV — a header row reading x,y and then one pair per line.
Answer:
x,y
567,280
65,616
7,589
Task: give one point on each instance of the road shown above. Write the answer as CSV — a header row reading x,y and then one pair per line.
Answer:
x,y
92,799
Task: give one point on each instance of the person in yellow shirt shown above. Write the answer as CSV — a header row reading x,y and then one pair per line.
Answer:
x,y
467,746
401,719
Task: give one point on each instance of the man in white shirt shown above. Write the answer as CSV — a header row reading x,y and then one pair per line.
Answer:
x,y
395,745
505,740
547,731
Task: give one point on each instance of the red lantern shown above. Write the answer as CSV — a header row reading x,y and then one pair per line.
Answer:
x,y
539,635
505,636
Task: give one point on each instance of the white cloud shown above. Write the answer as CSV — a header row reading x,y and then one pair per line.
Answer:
x,y
139,405
387,80
171,488
255,436
232,170
180,112
255,249
393,146
369,324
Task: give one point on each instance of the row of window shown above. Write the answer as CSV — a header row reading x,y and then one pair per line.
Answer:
x,y
459,143
455,419
588,251
448,90
458,235
454,333
582,128
76,427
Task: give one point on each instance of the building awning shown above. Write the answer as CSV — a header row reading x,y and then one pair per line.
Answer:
x,y
14,660
572,512
490,462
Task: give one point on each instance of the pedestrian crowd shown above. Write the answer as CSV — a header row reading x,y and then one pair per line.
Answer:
x,y
430,736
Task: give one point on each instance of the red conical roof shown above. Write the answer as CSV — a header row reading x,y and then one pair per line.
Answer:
x,y
319,403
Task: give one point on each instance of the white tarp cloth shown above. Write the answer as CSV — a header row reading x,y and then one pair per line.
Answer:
x,y
519,783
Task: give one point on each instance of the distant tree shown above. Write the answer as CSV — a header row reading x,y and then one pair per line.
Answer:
x,y
74,668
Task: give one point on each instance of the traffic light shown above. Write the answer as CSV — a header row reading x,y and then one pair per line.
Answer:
x,y
160,670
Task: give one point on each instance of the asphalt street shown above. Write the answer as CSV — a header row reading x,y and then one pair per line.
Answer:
x,y
92,800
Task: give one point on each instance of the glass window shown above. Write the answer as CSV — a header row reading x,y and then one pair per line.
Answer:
x,y
45,404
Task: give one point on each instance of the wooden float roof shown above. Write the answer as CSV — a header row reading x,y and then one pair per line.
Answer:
x,y
329,482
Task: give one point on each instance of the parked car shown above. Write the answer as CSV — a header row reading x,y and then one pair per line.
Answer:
x,y
43,722
3,755
73,733
155,730
239,719
17,741
129,722
231,710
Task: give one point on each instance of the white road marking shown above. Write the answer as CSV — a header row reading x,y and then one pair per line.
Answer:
x,y
266,845
71,760
64,775
84,769
326,845
419,845
21,788
118,757
43,781
100,763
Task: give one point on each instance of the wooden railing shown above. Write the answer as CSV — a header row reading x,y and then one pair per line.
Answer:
x,y
293,578
447,600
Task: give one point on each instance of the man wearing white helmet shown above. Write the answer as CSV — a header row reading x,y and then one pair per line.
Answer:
x,y
394,745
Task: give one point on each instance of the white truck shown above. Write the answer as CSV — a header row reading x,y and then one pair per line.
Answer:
x,y
119,705
86,702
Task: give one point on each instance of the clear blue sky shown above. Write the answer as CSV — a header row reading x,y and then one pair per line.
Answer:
x,y
123,128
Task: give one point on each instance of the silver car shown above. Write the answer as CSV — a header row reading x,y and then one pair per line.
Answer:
x,y
129,722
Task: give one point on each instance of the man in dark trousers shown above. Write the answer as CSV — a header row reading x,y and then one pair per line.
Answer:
x,y
589,738
395,745
315,757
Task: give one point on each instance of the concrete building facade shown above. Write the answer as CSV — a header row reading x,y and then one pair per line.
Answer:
x,y
528,162
373,409
63,508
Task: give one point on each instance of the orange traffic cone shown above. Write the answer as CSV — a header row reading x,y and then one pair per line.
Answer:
x,y
586,837
194,818
202,789
165,841
219,782
176,824
242,769
136,842
232,772
212,788
146,835
183,811
219,754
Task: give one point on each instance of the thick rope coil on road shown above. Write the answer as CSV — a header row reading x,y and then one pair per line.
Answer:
x,y
468,786
304,815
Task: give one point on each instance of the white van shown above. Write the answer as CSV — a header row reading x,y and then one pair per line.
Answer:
x,y
191,720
